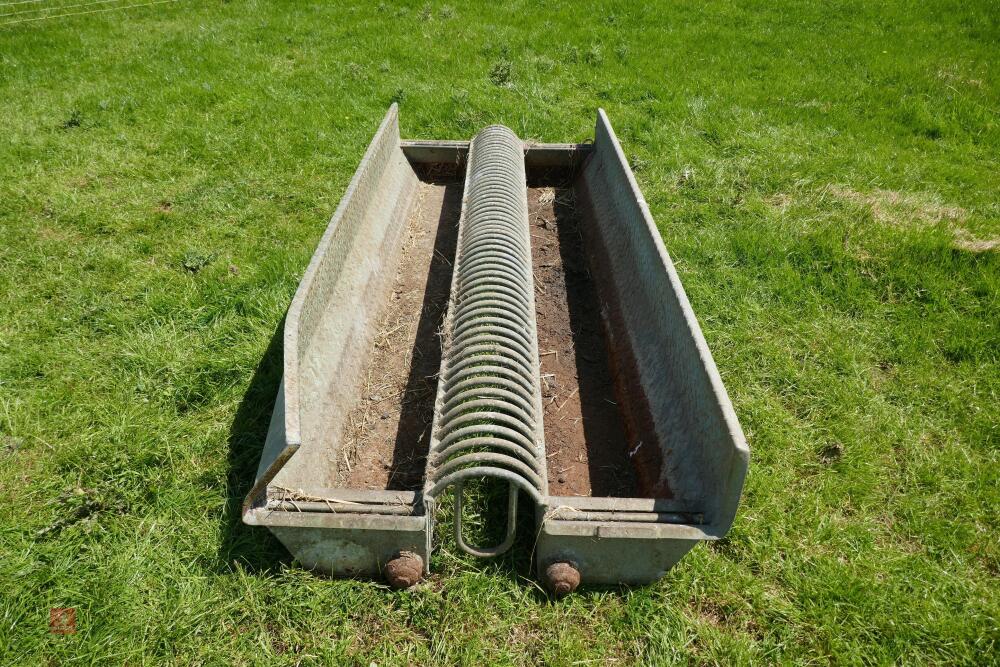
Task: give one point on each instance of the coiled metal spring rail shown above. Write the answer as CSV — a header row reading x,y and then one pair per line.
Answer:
x,y
487,420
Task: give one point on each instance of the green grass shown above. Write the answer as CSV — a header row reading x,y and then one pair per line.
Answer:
x,y
824,175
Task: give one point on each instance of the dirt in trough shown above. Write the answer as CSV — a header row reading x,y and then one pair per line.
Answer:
x,y
387,434
585,438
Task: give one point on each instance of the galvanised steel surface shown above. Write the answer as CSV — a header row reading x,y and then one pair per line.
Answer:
x,y
488,412
327,334
685,443
693,457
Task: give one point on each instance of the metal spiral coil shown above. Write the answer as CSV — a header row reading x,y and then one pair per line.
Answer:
x,y
487,420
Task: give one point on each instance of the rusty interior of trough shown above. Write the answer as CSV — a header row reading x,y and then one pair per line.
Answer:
x,y
594,414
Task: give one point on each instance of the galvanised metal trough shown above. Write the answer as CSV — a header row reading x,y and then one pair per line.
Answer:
x,y
496,309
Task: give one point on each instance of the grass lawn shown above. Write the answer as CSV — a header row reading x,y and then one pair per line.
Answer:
x,y
825,176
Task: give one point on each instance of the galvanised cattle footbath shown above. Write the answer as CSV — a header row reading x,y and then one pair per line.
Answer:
x,y
500,310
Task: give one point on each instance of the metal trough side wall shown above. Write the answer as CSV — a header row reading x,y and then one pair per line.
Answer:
x,y
328,334
694,468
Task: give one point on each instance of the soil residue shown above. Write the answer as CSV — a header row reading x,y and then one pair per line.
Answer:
x,y
387,434
585,437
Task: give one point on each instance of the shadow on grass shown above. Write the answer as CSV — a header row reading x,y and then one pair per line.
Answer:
x,y
253,547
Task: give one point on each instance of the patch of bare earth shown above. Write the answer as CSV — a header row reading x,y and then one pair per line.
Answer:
x,y
585,436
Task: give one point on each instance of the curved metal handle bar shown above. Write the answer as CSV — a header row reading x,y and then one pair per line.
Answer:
x,y
494,444
473,430
484,471
508,540
491,459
